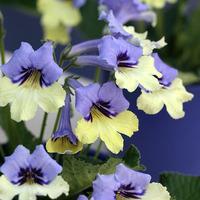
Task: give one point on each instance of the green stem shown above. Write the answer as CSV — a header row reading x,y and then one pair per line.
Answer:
x,y
97,75
43,127
57,120
2,151
98,150
2,35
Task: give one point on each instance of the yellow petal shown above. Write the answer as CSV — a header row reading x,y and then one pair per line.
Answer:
x,y
112,139
63,145
150,103
172,97
156,191
158,3
24,106
142,74
126,123
51,98
59,34
7,91
57,17
108,129
7,190
86,131
53,190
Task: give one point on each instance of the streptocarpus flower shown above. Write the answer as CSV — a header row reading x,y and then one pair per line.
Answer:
x,y
30,175
129,10
57,19
132,69
127,184
64,140
172,94
158,3
30,80
105,115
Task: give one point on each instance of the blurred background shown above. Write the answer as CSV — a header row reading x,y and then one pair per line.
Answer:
x,y
165,144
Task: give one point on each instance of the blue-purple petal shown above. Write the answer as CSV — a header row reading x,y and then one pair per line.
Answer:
x,y
169,73
42,59
86,97
19,60
14,162
126,176
104,187
40,159
115,27
109,92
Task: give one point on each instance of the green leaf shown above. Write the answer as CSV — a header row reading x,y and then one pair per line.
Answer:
x,y
181,187
132,158
17,133
22,3
80,174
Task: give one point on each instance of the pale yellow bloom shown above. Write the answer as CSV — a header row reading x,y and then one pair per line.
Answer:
x,y
141,74
107,128
172,97
57,18
25,98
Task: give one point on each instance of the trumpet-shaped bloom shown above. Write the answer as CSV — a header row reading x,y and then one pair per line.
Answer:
x,y
57,19
64,140
131,68
158,3
127,184
30,80
130,10
172,94
30,175
105,115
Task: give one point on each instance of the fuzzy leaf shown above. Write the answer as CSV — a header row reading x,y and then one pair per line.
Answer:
x,y
181,187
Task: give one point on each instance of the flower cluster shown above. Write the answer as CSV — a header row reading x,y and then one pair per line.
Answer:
x,y
126,184
31,79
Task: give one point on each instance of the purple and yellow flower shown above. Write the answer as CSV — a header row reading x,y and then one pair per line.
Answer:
x,y
30,175
31,80
105,115
172,94
127,184
131,10
58,17
132,69
64,140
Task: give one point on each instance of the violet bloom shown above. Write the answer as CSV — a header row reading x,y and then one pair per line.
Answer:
x,y
29,175
64,140
31,80
105,115
132,69
127,184
129,10
172,94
